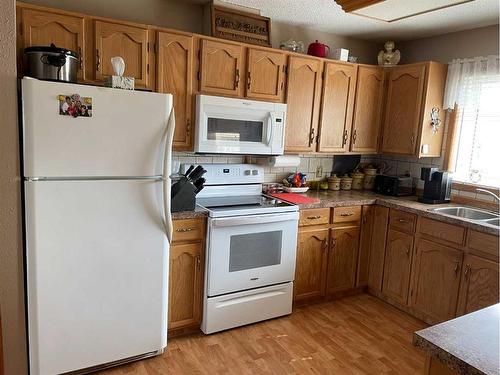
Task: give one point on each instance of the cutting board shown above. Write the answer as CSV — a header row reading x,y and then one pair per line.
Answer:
x,y
295,198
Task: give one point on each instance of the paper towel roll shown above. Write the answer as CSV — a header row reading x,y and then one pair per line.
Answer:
x,y
284,161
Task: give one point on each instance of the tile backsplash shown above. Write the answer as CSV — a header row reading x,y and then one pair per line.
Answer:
x,y
308,164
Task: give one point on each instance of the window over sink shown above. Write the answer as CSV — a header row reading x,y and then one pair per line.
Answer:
x,y
473,85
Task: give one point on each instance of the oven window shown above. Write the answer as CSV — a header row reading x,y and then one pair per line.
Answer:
x,y
234,130
255,250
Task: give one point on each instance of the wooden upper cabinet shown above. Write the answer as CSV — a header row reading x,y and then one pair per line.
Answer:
x,y
367,119
342,259
265,75
129,42
174,74
402,111
185,285
42,28
435,280
303,95
220,67
337,103
310,270
479,285
397,265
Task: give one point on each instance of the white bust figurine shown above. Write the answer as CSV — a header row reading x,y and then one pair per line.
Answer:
x,y
389,57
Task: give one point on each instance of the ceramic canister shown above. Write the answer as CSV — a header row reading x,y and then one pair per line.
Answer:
x,y
334,183
370,174
346,183
357,180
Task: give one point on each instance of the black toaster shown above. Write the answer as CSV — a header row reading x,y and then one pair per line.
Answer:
x,y
397,186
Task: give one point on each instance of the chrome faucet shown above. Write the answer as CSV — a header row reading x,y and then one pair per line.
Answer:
x,y
490,193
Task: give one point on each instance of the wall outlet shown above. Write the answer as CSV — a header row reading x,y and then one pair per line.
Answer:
x,y
319,171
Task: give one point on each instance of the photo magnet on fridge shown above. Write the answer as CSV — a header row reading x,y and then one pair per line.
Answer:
x,y
75,105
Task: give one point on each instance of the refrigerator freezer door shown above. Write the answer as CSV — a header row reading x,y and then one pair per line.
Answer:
x,y
97,271
124,136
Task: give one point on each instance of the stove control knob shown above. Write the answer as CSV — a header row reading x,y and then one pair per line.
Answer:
x,y
248,172
255,172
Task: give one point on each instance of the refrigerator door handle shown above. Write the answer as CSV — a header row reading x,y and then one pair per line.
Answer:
x,y
167,162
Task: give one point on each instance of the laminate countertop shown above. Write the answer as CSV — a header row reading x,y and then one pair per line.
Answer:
x,y
329,198
468,344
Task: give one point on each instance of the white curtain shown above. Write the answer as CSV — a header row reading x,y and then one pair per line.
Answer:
x,y
465,77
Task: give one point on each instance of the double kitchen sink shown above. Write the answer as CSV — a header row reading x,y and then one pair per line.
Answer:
x,y
473,214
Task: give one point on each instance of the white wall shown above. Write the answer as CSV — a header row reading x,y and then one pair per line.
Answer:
x,y
173,14
444,48
366,50
11,252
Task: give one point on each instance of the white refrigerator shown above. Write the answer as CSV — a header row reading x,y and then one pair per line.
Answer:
x,y
97,223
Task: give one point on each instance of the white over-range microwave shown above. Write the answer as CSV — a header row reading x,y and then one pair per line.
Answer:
x,y
239,126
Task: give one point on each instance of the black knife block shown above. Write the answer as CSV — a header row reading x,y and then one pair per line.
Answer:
x,y
183,196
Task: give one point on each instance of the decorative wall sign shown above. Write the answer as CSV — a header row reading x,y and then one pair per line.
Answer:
x,y
240,26
75,105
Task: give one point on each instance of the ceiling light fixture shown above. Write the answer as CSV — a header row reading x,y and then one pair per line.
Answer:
x,y
395,10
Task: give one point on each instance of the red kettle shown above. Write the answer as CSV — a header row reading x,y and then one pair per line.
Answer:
x,y
318,49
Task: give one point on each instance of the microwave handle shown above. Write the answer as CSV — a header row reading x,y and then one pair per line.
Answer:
x,y
270,127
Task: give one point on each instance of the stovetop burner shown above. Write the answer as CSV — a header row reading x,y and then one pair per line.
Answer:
x,y
243,205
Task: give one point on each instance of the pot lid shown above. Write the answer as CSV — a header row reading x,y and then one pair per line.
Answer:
x,y
51,49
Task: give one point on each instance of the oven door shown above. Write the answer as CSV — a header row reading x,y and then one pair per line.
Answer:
x,y
247,252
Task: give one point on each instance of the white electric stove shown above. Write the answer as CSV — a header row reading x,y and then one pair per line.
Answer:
x,y
251,246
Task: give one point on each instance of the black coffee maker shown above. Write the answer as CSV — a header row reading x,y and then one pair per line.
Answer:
x,y
437,187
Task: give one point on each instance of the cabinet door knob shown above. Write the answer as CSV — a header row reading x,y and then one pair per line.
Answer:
x,y
457,266
311,137
98,60
182,230
314,217
354,136
249,81
198,262
344,214
237,79
346,137
80,55
466,272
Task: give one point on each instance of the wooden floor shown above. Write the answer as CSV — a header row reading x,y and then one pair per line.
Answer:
x,y
354,335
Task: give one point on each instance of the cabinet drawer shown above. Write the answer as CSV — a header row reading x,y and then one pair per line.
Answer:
x,y
453,234
403,221
314,216
345,214
189,230
484,242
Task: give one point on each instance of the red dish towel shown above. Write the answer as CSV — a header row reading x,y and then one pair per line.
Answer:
x,y
294,198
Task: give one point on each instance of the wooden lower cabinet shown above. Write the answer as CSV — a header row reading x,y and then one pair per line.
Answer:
x,y
479,284
185,285
310,270
365,240
377,247
397,265
342,258
435,280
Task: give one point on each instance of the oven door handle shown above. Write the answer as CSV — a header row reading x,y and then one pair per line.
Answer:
x,y
254,219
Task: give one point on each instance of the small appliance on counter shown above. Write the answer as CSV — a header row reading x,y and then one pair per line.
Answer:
x,y
318,49
397,186
186,187
52,63
437,186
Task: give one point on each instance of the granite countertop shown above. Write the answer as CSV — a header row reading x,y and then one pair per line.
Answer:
x,y
198,212
468,344
362,197
409,204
